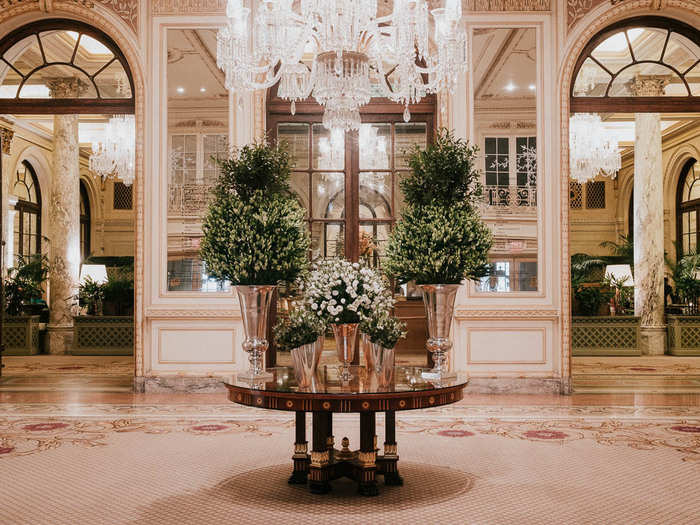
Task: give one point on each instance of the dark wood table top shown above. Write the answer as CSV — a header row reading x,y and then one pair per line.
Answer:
x,y
407,391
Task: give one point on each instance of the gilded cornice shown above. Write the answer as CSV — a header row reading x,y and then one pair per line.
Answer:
x,y
178,7
6,135
577,9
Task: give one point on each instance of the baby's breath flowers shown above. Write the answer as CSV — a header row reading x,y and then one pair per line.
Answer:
x,y
339,291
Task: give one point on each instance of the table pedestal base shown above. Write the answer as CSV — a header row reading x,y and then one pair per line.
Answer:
x,y
326,463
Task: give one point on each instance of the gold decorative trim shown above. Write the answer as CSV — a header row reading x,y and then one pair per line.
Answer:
x,y
367,459
156,313
181,7
463,314
505,5
301,449
320,459
6,134
391,449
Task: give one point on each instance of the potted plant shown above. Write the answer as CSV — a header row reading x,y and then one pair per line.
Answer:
x,y
383,332
90,296
301,334
255,236
440,240
343,294
23,292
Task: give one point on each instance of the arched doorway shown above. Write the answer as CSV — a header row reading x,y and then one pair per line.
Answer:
x,y
641,76
65,73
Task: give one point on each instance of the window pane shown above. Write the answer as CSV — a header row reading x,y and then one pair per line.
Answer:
x,y
406,135
328,149
375,146
613,53
328,195
58,46
327,239
299,183
375,195
296,136
592,80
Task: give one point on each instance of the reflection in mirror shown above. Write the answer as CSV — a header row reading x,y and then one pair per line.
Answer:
x,y
197,104
505,121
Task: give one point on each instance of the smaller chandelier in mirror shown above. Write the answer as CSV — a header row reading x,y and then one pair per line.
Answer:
x,y
593,150
114,155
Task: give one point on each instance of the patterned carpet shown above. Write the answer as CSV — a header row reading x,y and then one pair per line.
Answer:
x,y
165,464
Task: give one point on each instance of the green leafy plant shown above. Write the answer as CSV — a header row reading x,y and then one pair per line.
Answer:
x,y
384,330
301,327
257,167
623,249
436,244
590,298
24,283
91,294
254,231
443,174
119,293
582,266
685,274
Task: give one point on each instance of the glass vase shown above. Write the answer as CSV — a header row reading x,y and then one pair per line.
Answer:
x,y
305,362
345,341
439,302
383,365
255,309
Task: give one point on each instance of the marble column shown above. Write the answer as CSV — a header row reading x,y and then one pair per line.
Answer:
x,y
64,220
6,134
649,223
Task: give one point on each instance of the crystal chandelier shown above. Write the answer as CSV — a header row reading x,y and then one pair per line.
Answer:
x,y
355,52
114,156
592,149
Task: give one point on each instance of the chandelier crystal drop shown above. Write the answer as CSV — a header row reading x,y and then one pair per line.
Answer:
x,y
342,52
593,150
114,156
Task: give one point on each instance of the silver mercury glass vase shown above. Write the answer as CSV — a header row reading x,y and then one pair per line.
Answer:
x,y
255,309
305,362
439,302
345,340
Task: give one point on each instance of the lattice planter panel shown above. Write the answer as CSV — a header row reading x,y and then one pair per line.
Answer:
x,y
615,336
21,335
683,334
103,335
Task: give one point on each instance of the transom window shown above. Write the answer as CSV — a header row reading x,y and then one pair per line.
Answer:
x,y
647,58
63,59
27,220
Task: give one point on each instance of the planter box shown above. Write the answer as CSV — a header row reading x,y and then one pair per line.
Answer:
x,y
103,335
613,336
21,335
683,334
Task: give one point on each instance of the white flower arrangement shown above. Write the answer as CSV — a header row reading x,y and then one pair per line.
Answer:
x,y
339,291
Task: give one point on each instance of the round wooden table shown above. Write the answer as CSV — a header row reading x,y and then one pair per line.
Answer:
x,y
328,395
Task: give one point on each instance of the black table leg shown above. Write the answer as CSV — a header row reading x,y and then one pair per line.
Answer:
x,y
320,466
367,456
389,463
300,457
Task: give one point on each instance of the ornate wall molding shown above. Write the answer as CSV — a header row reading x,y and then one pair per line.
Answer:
x,y
199,7
127,10
464,314
507,5
158,313
577,9
6,134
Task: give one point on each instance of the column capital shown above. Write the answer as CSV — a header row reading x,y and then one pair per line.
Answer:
x,y
648,86
67,87
6,134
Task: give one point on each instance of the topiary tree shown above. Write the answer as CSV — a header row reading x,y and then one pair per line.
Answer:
x,y
440,238
444,173
254,231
